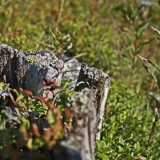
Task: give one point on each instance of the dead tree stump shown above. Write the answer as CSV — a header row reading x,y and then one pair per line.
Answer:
x,y
28,70
98,83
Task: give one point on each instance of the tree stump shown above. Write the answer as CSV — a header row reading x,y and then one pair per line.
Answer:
x,y
79,142
28,69
98,83
31,70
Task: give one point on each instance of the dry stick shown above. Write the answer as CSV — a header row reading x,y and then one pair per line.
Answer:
x,y
60,12
152,131
11,97
144,16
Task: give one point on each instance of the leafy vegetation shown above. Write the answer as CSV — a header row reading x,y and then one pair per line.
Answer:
x,y
32,123
116,37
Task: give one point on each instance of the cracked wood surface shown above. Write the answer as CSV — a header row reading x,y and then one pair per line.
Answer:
x,y
80,140
28,69
98,82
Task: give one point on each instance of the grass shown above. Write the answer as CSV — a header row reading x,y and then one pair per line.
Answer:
x,y
111,33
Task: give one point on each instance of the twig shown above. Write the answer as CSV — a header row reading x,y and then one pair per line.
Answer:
x,y
156,30
60,12
152,131
11,97
77,56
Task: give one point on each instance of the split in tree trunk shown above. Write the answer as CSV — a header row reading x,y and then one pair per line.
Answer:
x,y
30,70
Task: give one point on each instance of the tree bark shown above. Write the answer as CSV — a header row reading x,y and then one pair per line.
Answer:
x,y
98,83
28,70
8,62
79,143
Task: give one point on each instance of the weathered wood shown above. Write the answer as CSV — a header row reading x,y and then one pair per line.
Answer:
x,y
8,62
71,70
98,83
33,67
28,69
80,142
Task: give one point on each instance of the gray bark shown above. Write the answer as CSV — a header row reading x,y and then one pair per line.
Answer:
x,y
8,62
28,69
98,83
80,140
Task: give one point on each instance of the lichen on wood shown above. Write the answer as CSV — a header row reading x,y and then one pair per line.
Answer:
x,y
80,140
35,70
98,82
27,69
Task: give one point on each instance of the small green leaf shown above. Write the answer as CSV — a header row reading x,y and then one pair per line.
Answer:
x,y
31,106
20,97
140,47
36,143
50,117
141,28
152,74
1,85
154,65
103,156
101,144
129,156
137,146
65,83
70,46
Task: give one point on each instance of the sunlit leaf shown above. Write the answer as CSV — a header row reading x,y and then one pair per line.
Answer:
x,y
141,28
154,65
153,75
50,117
103,156
28,92
140,47
41,99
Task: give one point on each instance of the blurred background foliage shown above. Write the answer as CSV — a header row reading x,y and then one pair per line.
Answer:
x,y
111,33
108,31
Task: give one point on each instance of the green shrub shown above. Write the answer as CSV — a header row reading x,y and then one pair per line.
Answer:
x,y
111,34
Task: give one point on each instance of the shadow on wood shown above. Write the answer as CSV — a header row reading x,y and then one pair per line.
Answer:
x,y
28,69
